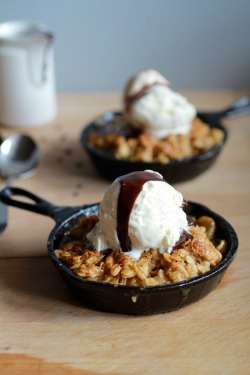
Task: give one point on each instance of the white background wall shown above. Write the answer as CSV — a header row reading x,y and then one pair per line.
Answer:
x,y
100,43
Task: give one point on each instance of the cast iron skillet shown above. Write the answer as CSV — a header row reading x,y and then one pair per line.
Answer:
x,y
176,170
125,299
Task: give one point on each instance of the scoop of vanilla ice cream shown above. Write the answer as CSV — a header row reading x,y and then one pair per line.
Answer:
x,y
104,235
157,219
158,110
142,80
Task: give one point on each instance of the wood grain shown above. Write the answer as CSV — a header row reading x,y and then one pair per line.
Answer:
x,y
28,365
44,330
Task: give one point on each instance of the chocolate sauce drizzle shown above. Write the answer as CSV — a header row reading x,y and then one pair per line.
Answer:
x,y
131,185
130,100
184,237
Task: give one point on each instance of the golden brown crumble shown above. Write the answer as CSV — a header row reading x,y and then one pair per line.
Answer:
x,y
195,257
146,148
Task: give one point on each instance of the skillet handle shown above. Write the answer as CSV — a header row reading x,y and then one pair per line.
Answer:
x,y
39,206
240,108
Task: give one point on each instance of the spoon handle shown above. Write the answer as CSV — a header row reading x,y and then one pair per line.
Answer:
x,y
4,211
3,217
239,108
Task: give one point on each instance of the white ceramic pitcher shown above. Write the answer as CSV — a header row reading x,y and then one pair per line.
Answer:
x,y
27,81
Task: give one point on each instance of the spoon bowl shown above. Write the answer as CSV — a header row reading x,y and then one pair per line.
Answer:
x,y
19,156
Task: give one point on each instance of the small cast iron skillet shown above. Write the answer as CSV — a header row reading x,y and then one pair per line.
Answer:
x,y
126,299
176,170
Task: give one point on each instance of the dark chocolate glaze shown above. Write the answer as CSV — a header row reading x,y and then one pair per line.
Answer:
x,y
130,100
184,237
184,205
119,126
131,186
191,220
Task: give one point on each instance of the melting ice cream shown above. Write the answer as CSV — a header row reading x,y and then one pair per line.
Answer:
x,y
152,106
139,211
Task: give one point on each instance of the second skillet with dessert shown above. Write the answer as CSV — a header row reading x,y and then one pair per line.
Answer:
x,y
158,129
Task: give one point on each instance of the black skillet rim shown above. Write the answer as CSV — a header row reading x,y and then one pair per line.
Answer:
x,y
216,123
158,288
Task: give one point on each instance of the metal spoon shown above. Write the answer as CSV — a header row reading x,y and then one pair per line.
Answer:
x,y
19,157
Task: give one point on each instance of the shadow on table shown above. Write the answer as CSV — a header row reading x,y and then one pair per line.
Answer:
x,y
68,159
34,284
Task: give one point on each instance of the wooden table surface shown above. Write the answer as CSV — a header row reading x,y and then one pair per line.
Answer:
x,y
44,330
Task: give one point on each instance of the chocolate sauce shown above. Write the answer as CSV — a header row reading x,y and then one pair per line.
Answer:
x,y
184,237
106,252
191,220
184,205
119,126
130,100
131,186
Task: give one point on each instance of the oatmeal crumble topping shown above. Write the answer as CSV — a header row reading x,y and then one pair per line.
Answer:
x,y
147,148
196,256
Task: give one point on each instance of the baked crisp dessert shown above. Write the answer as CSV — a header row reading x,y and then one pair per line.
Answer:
x,y
142,237
157,124
144,147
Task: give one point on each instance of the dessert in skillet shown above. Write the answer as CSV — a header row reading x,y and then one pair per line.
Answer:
x,y
142,236
157,124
